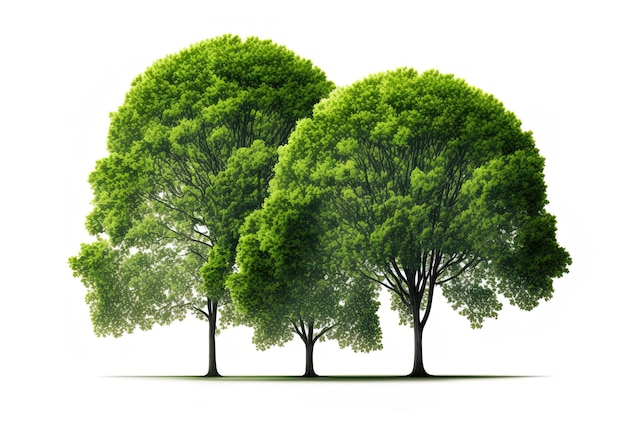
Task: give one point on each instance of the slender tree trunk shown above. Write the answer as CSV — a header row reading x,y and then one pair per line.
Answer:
x,y
309,343
309,369
418,357
417,290
212,316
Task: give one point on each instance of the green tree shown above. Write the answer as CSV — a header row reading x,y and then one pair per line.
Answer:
x,y
167,187
429,183
287,283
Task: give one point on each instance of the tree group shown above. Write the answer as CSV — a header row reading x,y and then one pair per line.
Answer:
x,y
239,178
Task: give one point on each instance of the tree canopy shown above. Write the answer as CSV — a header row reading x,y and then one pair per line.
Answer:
x,y
428,182
238,178
191,152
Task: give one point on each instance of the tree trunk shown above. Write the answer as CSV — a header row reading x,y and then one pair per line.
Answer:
x,y
418,357
212,316
309,343
309,370
418,331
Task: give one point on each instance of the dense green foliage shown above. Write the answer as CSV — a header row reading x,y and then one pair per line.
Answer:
x,y
191,152
236,179
289,284
425,181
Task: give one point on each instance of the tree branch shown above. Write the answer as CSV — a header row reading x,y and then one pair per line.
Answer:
x,y
302,335
471,264
186,237
429,304
208,317
382,283
324,331
405,295
195,220
198,254
430,273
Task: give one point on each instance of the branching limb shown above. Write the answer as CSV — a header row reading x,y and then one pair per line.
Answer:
x,y
186,237
203,312
431,273
297,330
471,264
198,254
402,292
429,303
381,282
324,331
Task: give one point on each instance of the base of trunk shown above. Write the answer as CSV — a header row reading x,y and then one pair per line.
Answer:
x,y
213,373
310,375
419,374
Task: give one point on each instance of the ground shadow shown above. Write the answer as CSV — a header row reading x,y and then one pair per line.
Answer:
x,y
331,378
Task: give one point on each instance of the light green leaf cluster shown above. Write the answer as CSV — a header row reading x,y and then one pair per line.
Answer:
x,y
129,288
474,294
360,325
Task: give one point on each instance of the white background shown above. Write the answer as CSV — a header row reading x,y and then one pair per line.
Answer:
x,y
557,65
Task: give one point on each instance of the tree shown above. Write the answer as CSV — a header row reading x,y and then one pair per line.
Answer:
x,y
166,187
429,183
288,284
